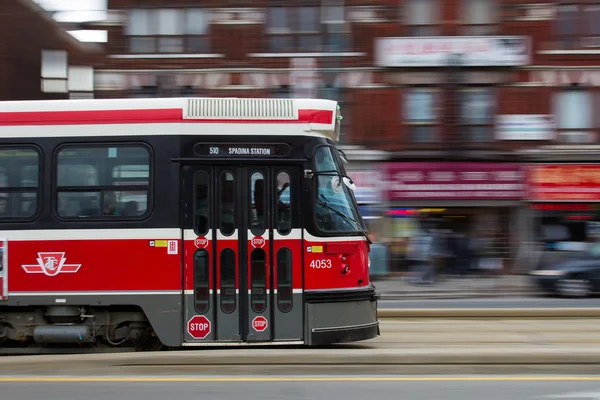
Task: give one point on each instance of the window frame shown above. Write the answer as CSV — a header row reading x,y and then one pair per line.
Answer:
x,y
481,28
436,123
563,133
102,189
325,31
430,28
153,26
25,189
465,126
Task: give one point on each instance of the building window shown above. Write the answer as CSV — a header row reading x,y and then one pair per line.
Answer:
x,y
477,109
19,182
479,17
168,30
422,17
315,28
108,182
578,25
421,114
573,110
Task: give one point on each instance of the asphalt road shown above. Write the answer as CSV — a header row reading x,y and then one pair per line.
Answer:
x,y
516,302
518,387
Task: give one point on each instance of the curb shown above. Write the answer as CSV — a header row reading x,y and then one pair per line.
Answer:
x,y
409,356
573,312
455,295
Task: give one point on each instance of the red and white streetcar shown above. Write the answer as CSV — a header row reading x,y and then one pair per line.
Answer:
x,y
143,223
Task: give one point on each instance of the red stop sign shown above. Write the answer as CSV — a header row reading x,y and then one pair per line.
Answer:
x,y
198,327
260,323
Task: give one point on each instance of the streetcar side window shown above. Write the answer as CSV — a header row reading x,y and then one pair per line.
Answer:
x,y
259,206
284,212
201,203
105,181
19,182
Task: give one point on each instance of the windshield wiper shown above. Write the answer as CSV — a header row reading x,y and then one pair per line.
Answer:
x,y
325,204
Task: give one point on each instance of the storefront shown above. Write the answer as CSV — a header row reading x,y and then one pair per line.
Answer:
x,y
471,199
564,204
367,178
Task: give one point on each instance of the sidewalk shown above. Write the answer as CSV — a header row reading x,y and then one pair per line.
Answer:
x,y
398,288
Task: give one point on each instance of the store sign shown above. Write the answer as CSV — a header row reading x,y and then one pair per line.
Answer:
x,y
453,181
525,127
436,51
566,182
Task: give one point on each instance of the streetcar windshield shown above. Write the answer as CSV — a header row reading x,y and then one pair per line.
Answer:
x,y
335,207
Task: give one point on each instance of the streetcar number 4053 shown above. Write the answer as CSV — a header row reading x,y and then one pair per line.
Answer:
x,y
320,264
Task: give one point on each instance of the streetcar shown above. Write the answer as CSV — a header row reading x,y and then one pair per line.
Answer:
x,y
146,224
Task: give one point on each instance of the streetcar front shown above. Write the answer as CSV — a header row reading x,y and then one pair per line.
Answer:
x,y
341,300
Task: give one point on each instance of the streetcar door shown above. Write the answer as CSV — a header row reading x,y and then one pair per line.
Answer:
x,y
242,254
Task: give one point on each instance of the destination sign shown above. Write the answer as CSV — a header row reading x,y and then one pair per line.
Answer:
x,y
241,150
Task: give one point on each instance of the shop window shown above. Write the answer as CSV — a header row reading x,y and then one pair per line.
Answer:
x,y
308,28
477,108
421,114
19,182
573,110
107,182
168,30
422,17
479,17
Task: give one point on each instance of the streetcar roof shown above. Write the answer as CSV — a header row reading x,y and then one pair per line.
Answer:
x,y
169,116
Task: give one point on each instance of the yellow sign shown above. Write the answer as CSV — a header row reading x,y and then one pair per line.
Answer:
x,y
317,249
160,243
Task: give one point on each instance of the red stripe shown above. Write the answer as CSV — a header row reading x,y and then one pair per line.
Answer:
x,y
166,115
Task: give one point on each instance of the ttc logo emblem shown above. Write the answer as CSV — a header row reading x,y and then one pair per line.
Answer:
x,y
51,264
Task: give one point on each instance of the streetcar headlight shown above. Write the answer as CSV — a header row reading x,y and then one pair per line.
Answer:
x,y
369,263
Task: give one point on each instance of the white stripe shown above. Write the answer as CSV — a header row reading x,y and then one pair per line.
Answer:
x,y
251,235
189,234
140,56
170,129
295,291
192,291
250,291
151,234
233,236
92,234
295,234
109,293
311,238
237,291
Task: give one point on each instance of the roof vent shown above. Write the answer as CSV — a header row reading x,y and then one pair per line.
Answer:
x,y
236,109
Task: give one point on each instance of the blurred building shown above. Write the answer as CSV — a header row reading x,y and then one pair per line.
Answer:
x,y
450,107
38,59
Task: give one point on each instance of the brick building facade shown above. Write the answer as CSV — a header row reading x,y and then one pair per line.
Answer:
x,y
250,48
38,59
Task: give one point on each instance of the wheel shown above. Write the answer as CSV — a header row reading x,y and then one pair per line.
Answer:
x,y
574,287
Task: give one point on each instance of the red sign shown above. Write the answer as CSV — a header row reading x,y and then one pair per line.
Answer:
x,y
260,323
258,241
201,241
453,181
198,327
566,182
